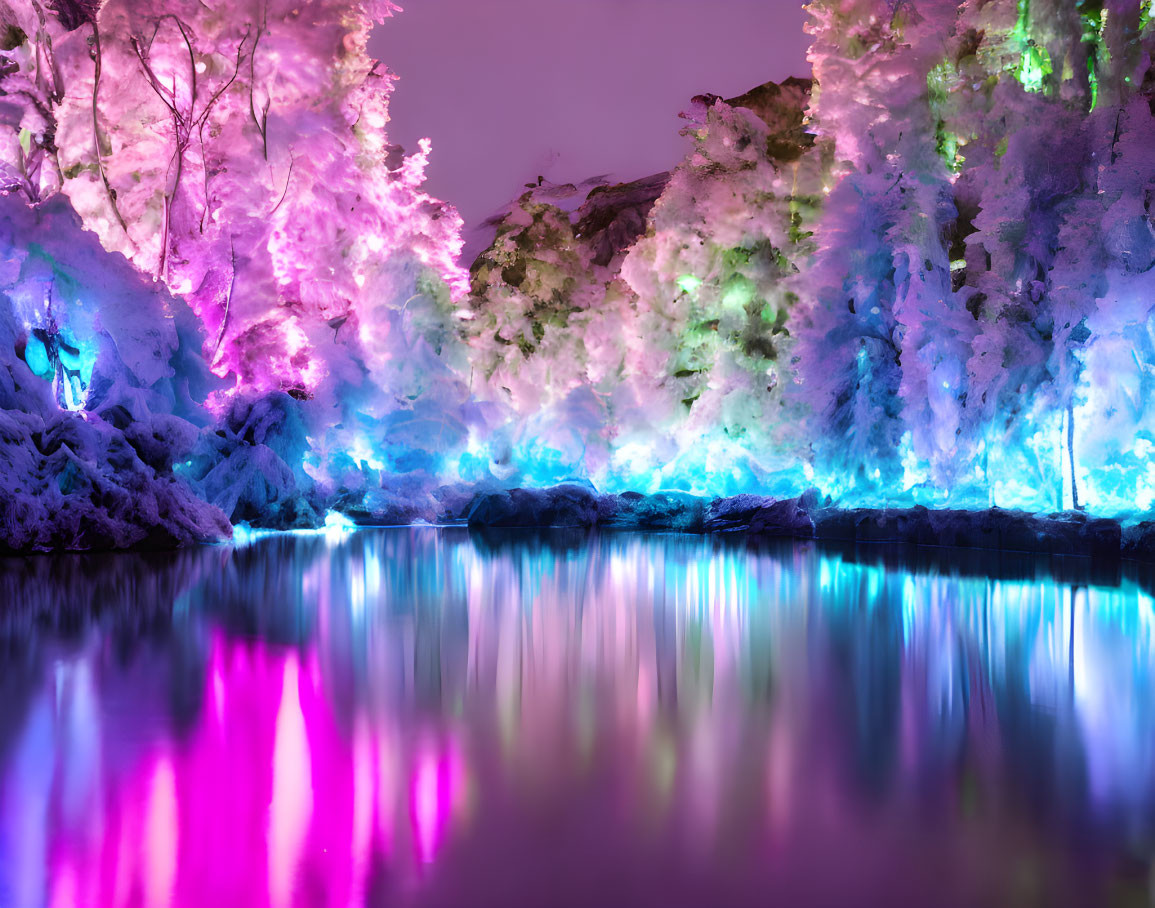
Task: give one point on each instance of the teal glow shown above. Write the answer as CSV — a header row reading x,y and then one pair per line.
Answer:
x,y
338,523
37,358
77,360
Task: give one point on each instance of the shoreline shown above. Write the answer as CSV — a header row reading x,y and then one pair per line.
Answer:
x,y
578,506
1067,533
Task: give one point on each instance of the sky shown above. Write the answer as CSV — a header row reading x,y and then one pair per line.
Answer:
x,y
568,89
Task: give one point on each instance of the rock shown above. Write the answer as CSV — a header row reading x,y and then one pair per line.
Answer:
x,y
568,505
732,515
453,502
678,511
1072,533
576,505
782,518
782,107
1138,541
1104,538
834,524
612,218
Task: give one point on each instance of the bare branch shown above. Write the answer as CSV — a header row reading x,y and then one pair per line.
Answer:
x,y
96,138
236,71
228,299
203,118
288,178
182,121
261,122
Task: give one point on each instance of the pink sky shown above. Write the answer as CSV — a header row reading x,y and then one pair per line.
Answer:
x,y
510,89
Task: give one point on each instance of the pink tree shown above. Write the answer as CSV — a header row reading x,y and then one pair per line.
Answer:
x,y
237,151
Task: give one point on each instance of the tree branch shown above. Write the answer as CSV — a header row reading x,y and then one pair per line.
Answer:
x,y
96,138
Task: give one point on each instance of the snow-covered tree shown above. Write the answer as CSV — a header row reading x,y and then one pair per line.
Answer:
x,y
886,337
973,141
549,323
715,309
648,343
237,151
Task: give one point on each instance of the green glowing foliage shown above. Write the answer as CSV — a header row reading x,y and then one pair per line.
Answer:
x,y
1034,68
549,323
689,283
645,337
739,292
939,82
714,275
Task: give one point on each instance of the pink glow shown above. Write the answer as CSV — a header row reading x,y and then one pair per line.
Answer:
x,y
272,224
388,787
161,836
431,798
364,805
292,801
65,888
268,796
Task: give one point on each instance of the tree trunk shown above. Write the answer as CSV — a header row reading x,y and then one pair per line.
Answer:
x,y
1071,455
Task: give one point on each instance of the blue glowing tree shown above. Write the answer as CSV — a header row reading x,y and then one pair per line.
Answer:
x,y
992,204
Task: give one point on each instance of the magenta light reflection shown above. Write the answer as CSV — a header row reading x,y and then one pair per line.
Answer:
x,y
161,835
266,799
292,804
433,790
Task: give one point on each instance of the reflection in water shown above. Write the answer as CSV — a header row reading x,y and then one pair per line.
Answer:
x,y
425,717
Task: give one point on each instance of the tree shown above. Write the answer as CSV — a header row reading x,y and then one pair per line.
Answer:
x,y
237,152
715,307
970,215
886,334
247,166
645,338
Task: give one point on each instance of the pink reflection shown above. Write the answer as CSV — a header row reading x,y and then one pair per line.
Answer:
x,y
161,836
268,801
364,798
292,802
432,794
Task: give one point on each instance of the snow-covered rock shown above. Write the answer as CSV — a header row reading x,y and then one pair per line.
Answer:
x,y
678,511
252,465
566,505
99,375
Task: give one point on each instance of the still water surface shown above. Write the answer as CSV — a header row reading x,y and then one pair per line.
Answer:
x,y
425,717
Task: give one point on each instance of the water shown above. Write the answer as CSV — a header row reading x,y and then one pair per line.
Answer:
x,y
421,717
